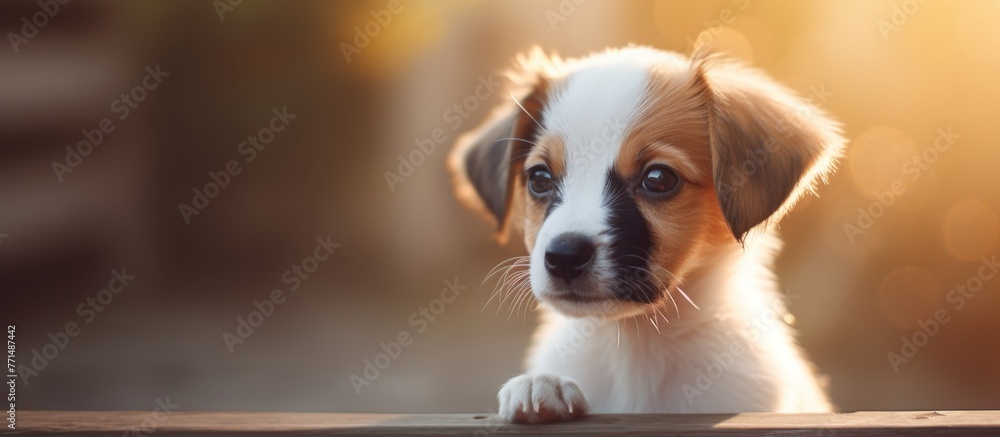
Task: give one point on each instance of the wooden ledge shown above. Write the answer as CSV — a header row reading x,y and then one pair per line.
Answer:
x,y
119,423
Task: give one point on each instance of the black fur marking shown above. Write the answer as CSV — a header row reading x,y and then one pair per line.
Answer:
x,y
486,172
631,245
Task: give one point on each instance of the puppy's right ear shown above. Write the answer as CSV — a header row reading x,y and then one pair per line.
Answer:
x,y
769,146
486,162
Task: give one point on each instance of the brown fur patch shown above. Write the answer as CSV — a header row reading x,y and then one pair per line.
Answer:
x,y
765,152
674,131
732,136
551,151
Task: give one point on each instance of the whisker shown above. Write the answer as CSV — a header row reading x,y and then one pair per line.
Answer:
x,y
688,298
516,295
522,294
665,319
507,280
502,300
505,164
502,282
659,285
527,113
673,301
521,289
508,286
520,139
651,320
618,342
666,290
496,292
506,273
499,267
679,281
527,304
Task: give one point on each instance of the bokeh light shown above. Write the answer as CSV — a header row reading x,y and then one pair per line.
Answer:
x,y
863,270
726,40
970,230
877,157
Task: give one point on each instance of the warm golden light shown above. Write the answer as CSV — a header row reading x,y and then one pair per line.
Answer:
x,y
876,159
970,230
383,87
977,32
726,40
908,295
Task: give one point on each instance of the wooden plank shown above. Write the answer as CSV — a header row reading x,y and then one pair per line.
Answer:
x,y
118,423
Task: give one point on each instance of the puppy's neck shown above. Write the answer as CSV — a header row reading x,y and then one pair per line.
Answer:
x,y
727,282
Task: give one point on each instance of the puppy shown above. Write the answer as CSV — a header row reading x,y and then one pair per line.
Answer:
x,y
645,181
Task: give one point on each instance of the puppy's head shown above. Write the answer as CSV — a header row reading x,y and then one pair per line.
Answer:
x,y
630,166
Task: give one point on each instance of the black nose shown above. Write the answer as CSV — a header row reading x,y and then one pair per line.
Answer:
x,y
568,255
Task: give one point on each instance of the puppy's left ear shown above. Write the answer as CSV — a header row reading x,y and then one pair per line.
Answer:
x,y
768,146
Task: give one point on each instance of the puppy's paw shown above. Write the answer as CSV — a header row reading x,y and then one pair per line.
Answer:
x,y
541,398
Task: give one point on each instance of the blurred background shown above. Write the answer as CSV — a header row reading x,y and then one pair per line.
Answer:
x,y
899,74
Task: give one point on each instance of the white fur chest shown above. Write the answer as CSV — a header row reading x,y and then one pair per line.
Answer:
x,y
707,365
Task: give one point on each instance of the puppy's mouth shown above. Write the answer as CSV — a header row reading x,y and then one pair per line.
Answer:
x,y
576,297
596,300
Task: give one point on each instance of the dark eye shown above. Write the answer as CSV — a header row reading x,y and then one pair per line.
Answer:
x,y
540,181
660,180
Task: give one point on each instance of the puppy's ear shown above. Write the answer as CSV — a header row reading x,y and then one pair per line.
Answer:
x,y
768,146
486,162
